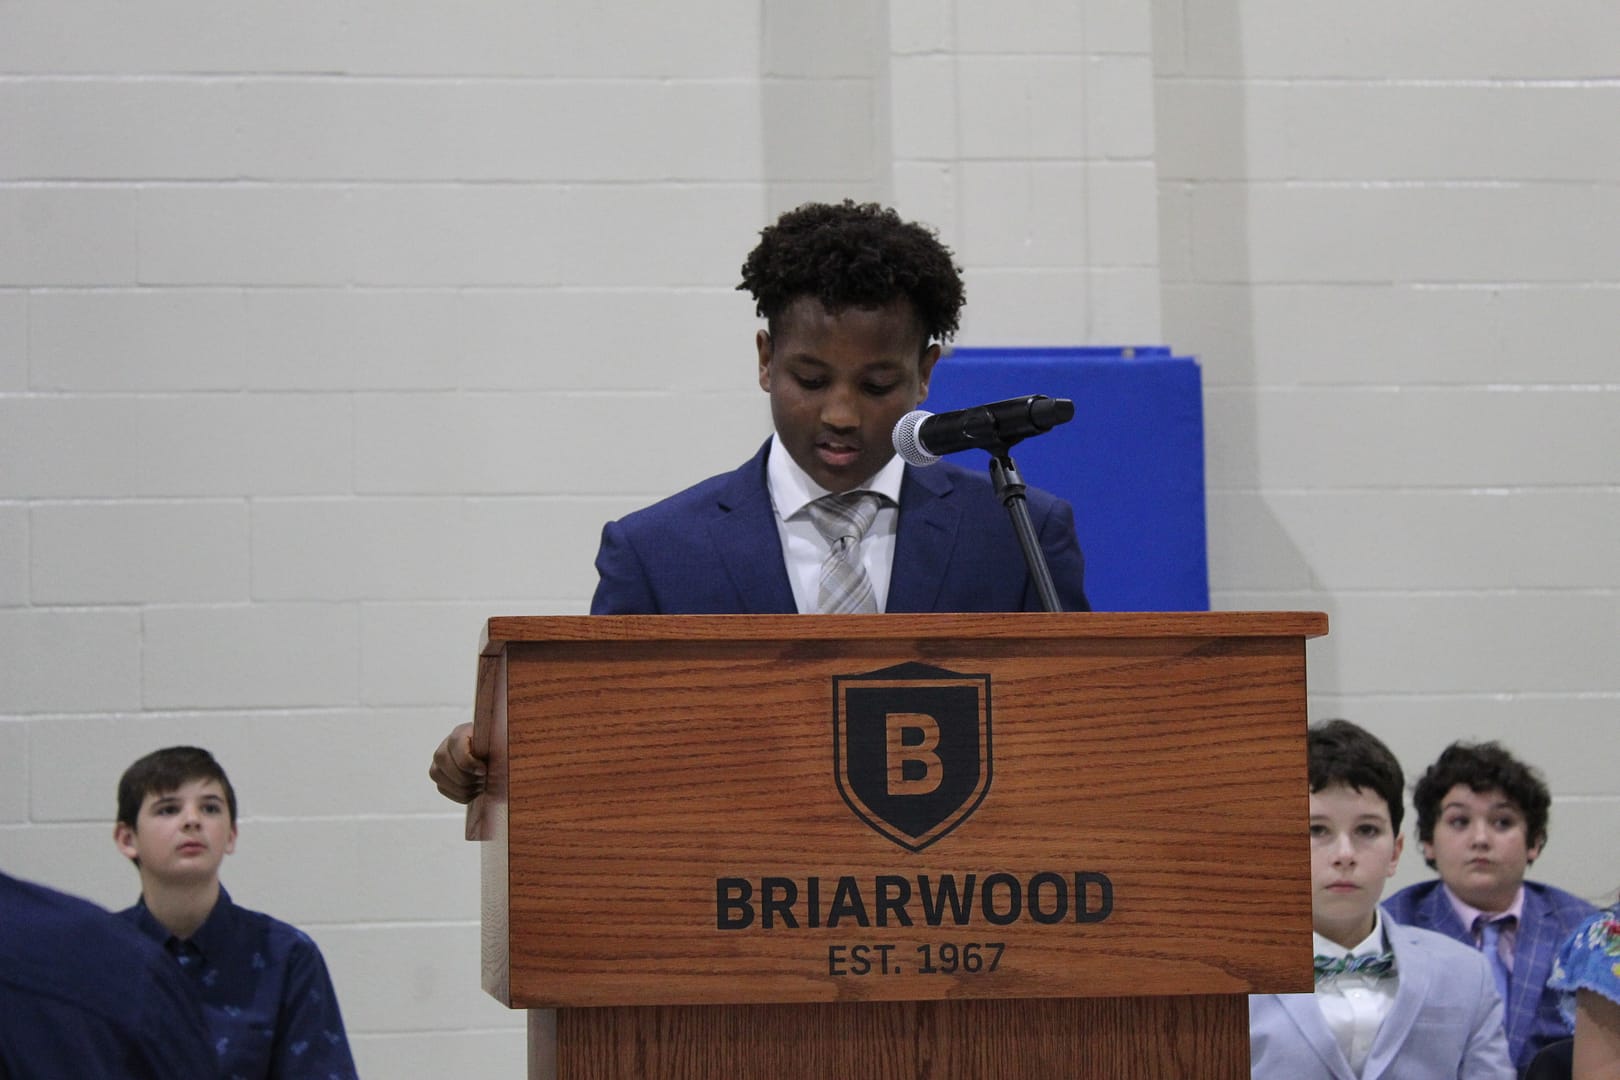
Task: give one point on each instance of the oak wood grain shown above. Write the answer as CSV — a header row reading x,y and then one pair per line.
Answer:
x,y
1196,1038
650,756
636,760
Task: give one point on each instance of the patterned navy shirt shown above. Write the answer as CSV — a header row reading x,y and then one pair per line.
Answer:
x,y
83,995
266,995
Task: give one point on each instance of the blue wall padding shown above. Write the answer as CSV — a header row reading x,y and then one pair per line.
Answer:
x,y
1131,461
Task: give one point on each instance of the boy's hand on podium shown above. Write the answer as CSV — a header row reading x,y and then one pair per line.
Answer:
x,y
456,770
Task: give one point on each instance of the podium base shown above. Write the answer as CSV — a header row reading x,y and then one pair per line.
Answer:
x,y
1204,1037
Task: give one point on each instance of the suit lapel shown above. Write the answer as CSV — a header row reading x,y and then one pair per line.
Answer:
x,y
925,541
1410,992
1437,914
1303,1011
749,546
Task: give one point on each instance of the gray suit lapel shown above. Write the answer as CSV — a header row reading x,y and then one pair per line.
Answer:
x,y
1415,977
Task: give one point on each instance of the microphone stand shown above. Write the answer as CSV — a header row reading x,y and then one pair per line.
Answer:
x,y
1010,489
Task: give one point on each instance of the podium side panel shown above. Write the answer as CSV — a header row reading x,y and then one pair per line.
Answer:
x,y
494,824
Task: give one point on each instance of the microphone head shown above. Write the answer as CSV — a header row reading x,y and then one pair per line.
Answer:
x,y
906,442
1047,413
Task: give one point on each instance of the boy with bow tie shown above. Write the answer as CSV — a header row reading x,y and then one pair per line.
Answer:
x,y
1391,1001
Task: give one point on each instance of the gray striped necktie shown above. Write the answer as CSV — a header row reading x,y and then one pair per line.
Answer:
x,y
843,519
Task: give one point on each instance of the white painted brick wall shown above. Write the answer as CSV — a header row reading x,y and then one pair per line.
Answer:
x,y
1521,334
66,660
1021,107
14,555
13,772
1539,538
1021,27
1119,108
1341,131
1451,39
153,552
1395,253
100,340
89,446
13,341
267,654
261,750
1025,132
121,129
67,234
1455,232
589,38
329,329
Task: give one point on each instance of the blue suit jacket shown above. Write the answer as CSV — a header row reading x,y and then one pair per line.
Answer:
x,y
1550,916
1445,1022
714,549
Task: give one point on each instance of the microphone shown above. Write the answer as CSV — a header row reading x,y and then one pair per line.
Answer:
x,y
920,438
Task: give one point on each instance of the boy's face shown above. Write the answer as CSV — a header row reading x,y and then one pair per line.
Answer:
x,y
839,383
1353,852
180,836
1480,847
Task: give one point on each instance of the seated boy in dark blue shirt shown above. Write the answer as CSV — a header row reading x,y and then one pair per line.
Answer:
x,y
268,1000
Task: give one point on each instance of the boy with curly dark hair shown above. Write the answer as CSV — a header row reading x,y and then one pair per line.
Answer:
x,y
825,517
854,255
1482,820
857,304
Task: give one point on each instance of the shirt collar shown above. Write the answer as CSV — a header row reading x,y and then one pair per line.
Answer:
x,y
147,923
214,931
1371,945
1467,914
792,489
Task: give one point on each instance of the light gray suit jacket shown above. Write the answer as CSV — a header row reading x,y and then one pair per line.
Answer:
x,y
1446,1022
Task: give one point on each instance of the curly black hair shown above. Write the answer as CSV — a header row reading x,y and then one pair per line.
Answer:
x,y
854,255
1483,767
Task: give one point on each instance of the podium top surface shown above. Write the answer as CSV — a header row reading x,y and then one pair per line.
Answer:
x,y
501,631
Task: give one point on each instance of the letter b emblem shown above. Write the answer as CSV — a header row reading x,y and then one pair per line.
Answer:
x,y
911,748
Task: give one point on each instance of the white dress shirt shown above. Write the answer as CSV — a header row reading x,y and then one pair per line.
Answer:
x,y
804,549
1354,1005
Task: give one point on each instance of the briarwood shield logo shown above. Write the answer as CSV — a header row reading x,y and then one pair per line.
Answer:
x,y
911,749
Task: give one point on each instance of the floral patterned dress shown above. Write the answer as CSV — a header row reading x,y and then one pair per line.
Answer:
x,y
1589,960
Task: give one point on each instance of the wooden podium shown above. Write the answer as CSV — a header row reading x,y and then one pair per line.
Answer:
x,y
899,846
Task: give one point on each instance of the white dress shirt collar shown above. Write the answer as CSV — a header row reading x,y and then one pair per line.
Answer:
x,y
1354,1006
792,489
803,546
